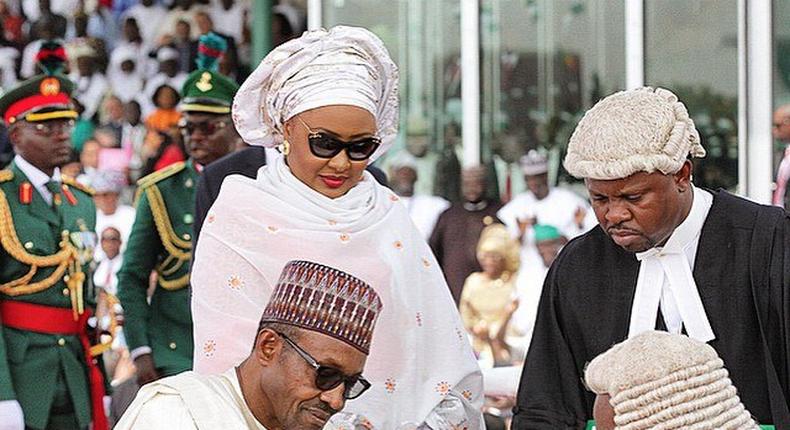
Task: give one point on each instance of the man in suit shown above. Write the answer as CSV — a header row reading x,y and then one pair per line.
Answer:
x,y
48,376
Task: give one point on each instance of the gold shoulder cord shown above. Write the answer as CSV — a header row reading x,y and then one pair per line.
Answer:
x,y
105,342
73,182
65,259
177,248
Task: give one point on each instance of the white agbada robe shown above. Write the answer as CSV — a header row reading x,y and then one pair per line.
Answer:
x,y
425,211
190,401
528,291
122,220
557,209
420,356
106,274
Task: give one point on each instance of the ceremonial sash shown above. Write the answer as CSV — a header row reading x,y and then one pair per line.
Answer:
x,y
53,320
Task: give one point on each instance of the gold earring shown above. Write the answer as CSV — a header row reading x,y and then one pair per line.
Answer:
x,y
285,147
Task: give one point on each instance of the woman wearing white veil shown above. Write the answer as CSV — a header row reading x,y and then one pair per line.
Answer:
x,y
328,100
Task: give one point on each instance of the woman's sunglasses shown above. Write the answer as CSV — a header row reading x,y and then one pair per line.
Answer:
x,y
322,145
206,128
328,378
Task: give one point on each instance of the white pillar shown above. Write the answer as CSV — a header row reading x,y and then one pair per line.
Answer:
x,y
314,14
470,81
634,44
755,162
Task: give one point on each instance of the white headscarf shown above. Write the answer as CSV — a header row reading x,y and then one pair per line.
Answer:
x,y
342,66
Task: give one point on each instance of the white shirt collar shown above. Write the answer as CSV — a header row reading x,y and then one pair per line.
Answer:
x,y
233,377
36,177
666,279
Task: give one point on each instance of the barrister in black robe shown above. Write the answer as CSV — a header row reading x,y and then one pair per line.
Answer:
x,y
457,231
741,272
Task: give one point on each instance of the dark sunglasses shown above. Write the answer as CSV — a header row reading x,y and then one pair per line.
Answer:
x,y
206,128
328,378
322,145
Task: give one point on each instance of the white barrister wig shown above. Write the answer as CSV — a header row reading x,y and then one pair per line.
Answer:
x,y
658,380
641,130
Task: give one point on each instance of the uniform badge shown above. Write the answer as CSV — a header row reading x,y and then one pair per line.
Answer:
x,y
49,87
204,84
68,194
85,241
25,193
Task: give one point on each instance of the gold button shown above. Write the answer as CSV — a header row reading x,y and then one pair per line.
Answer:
x,y
65,291
61,341
28,245
187,236
65,232
172,345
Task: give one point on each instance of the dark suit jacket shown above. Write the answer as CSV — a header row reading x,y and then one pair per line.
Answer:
x,y
245,162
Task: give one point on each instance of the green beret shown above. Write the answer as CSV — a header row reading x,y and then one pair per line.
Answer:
x,y
545,232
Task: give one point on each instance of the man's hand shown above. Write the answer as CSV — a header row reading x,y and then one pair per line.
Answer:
x,y
11,416
146,371
525,223
578,217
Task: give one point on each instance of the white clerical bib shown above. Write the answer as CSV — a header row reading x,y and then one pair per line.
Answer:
x,y
665,280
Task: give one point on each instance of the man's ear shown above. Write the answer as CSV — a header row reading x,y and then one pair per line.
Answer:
x,y
267,347
683,176
13,134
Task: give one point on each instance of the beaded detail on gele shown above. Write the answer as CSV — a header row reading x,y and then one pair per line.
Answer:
x,y
326,300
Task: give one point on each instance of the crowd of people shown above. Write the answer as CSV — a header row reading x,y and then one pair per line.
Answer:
x,y
327,290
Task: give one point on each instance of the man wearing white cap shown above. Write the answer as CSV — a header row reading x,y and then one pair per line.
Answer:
x,y
666,255
306,361
423,209
169,74
543,204
91,83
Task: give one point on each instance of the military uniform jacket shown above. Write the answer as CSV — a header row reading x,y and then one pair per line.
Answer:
x,y
32,231
161,240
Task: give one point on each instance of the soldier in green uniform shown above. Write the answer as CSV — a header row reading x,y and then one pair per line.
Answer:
x,y
159,334
48,376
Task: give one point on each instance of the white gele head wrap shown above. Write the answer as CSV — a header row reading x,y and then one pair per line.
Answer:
x,y
667,381
342,66
641,130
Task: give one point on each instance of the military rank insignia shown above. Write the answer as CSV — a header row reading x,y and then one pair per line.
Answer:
x,y
49,87
204,84
69,195
25,193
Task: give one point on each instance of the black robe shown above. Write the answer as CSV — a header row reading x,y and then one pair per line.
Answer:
x,y
742,271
